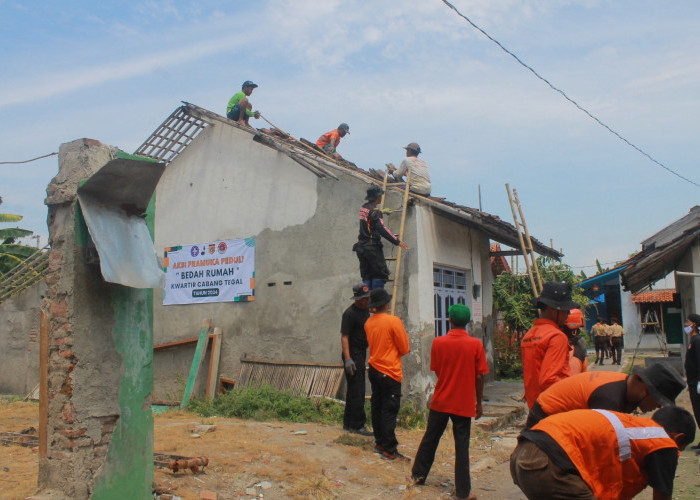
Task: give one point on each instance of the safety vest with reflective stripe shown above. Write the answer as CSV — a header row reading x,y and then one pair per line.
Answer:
x,y
573,392
607,448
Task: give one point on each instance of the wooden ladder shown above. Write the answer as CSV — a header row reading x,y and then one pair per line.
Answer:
x,y
525,242
399,253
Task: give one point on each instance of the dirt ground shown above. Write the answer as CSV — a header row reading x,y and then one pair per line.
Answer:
x,y
274,460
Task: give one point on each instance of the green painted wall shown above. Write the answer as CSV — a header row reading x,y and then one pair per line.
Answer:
x,y
128,468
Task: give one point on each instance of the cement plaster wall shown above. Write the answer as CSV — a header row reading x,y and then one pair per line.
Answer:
x,y
226,186
19,340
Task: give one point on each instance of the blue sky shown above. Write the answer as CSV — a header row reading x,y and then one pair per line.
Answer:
x,y
397,72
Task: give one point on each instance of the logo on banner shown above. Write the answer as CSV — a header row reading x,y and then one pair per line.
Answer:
x,y
222,247
194,251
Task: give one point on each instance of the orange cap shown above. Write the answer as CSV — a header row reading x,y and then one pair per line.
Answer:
x,y
575,319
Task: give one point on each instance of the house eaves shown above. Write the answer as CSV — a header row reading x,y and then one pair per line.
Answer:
x,y
673,230
649,266
172,137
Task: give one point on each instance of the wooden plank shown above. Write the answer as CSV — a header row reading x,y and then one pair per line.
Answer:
x,y
196,361
214,357
176,343
43,384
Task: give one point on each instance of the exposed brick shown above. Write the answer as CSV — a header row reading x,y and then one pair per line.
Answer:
x,y
60,454
61,341
67,387
59,309
66,354
100,450
80,443
73,433
68,413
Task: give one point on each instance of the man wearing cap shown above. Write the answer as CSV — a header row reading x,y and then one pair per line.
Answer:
x,y
616,341
330,140
601,454
420,177
545,347
459,361
354,343
646,389
388,342
239,107
369,246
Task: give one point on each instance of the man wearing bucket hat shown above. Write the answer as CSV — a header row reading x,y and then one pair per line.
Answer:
x,y
388,342
239,107
420,177
645,389
330,140
545,347
369,247
353,341
459,361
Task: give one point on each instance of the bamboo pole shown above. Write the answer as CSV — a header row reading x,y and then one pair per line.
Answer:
x,y
43,384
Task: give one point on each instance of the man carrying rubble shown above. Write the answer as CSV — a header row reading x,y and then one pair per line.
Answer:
x,y
646,389
330,140
369,247
545,347
353,341
601,454
388,342
420,177
239,107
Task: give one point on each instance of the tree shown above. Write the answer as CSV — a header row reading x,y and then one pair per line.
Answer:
x,y
12,253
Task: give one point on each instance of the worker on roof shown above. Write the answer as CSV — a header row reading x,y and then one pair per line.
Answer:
x,y
577,344
645,389
420,177
369,247
601,454
545,347
239,107
330,140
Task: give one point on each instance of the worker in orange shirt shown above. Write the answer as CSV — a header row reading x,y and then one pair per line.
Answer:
x,y
545,347
601,454
645,389
330,140
577,344
388,342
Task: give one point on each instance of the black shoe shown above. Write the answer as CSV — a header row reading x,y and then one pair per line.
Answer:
x,y
378,449
418,480
695,447
362,431
386,455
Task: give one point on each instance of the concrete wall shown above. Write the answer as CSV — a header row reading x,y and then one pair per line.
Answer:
x,y
19,340
226,186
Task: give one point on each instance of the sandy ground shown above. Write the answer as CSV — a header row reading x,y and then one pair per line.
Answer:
x,y
273,460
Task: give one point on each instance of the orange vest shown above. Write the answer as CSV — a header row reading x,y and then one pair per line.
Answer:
x,y
325,139
607,448
572,393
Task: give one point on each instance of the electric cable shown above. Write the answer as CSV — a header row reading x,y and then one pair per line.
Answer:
x,y
26,161
563,94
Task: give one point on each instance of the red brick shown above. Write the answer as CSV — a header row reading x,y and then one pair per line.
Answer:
x,y
207,495
68,413
71,433
59,309
66,354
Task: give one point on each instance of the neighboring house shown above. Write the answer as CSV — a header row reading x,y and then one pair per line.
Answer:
x,y
662,307
226,182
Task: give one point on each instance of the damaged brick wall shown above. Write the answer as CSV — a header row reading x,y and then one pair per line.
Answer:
x,y
84,366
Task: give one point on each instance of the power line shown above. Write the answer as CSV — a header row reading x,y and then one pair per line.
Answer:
x,y
563,94
26,161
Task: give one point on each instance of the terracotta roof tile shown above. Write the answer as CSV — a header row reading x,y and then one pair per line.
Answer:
x,y
654,296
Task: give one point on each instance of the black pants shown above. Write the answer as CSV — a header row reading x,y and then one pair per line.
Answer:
x,y
386,401
461,428
355,417
616,349
694,399
372,262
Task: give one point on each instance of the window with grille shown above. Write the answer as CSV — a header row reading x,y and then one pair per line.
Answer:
x,y
450,285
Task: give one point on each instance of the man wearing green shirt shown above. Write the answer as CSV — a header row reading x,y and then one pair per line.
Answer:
x,y
239,108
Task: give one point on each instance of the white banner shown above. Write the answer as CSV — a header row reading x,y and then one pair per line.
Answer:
x,y
221,271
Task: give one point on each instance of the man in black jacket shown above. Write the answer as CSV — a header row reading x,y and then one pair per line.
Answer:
x,y
369,241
